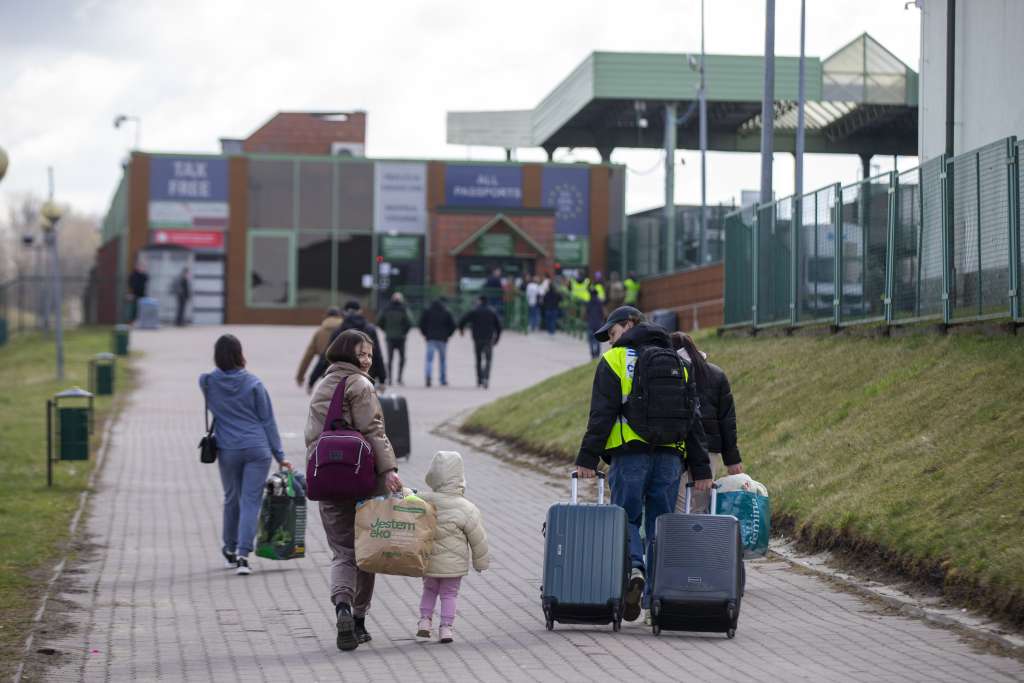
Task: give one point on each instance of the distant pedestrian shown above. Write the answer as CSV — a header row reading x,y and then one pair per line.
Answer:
x,y
138,283
355,320
717,413
437,326
317,348
486,329
396,322
533,300
551,304
351,355
595,319
460,540
182,290
247,443
616,293
632,286
494,290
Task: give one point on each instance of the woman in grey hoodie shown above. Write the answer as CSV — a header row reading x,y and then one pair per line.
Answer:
x,y
247,442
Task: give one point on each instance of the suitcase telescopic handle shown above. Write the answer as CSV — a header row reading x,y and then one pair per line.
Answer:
x,y
600,487
714,497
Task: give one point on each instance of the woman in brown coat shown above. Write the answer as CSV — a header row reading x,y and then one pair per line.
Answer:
x,y
350,356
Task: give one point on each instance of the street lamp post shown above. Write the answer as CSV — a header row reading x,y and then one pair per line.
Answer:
x,y
52,214
124,118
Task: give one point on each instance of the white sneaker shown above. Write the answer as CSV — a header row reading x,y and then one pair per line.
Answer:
x,y
242,566
230,559
423,628
446,634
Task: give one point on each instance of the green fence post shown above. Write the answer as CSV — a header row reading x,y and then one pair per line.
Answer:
x,y
890,254
977,209
796,223
1013,182
754,264
945,177
837,231
920,240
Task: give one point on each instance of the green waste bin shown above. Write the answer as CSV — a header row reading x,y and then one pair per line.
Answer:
x,y
68,427
121,333
101,374
3,331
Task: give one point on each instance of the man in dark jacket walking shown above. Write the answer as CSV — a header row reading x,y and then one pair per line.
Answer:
x,y
182,290
437,326
396,323
644,477
486,328
355,320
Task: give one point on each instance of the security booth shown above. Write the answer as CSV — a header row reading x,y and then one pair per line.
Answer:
x,y
101,374
120,339
69,425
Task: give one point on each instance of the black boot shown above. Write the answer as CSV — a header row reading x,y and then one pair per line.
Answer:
x,y
362,635
347,639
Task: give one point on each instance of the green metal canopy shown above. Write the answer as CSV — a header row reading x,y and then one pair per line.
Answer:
x,y
860,100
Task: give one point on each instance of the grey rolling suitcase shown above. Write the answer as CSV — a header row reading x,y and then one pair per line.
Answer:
x,y
586,562
698,572
149,314
396,424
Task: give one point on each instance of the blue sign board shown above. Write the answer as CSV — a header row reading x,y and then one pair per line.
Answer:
x,y
188,179
477,185
567,191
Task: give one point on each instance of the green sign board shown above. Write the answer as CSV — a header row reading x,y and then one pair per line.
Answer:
x,y
495,244
572,252
400,247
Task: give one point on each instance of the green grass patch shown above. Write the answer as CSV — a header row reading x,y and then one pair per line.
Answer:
x,y
906,451
35,518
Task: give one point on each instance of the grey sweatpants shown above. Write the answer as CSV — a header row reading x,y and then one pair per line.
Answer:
x,y
349,584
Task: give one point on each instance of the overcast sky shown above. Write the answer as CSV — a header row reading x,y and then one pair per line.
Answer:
x,y
197,70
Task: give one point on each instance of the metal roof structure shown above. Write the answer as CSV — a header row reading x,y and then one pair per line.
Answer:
x,y
860,100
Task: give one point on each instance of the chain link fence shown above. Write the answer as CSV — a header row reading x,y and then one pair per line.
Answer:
x,y
938,242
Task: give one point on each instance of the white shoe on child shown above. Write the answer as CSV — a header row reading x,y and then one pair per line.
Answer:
x,y
423,628
446,634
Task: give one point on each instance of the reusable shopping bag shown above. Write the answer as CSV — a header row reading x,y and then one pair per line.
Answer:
x,y
747,501
395,534
282,524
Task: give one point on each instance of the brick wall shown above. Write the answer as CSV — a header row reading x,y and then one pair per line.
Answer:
x,y
449,230
696,295
107,275
306,133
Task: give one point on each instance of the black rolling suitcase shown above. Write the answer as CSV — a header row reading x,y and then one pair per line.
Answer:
x,y
586,562
698,572
396,424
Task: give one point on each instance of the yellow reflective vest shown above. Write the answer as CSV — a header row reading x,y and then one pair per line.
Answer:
x,y
580,290
632,291
622,361
599,288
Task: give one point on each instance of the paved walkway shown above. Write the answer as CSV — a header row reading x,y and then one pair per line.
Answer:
x,y
155,604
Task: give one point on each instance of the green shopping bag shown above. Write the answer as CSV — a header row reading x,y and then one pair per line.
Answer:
x,y
282,524
754,513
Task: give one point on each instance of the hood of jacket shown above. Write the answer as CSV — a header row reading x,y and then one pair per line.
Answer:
x,y
447,473
354,321
395,306
645,334
438,307
230,383
331,323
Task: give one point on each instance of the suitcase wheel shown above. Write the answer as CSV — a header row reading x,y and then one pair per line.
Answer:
x,y
730,634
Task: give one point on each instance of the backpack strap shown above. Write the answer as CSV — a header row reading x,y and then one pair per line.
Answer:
x,y
334,412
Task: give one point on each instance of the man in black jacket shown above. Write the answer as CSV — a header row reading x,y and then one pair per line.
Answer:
x,y
644,477
486,328
355,320
437,326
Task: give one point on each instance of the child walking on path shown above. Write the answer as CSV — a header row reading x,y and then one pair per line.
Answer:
x,y
460,533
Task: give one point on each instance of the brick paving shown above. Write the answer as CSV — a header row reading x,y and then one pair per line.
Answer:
x,y
154,604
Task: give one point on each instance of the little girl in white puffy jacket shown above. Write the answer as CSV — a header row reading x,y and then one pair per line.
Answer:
x,y
460,534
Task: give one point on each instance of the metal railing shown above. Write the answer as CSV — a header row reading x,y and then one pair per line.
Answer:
x,y
941,242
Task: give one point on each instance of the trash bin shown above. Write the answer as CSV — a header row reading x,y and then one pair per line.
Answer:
x,y
120,339
101,374
149,314
68,428
3,331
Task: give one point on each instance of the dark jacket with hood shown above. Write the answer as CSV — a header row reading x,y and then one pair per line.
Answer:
x,y
437,323
241,407
718,413
395,321
355,321
606,407
484,323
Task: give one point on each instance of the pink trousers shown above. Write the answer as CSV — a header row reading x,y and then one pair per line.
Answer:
x,y
448,590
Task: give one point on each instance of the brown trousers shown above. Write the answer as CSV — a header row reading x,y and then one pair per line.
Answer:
x,y
349,584
701,499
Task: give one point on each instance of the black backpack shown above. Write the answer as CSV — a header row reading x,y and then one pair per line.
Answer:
x,y
662,403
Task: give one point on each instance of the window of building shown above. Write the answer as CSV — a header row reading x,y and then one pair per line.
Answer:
x,y
316,195
353,259
271,193
355,196
314,270
271,280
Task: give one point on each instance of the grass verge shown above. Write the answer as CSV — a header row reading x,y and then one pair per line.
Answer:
x,y
905,452
35,518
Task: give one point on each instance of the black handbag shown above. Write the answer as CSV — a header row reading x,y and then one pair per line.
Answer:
x,y
208,444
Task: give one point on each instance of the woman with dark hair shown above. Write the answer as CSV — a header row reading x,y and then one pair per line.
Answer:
x,y
717,409
351,355
247,442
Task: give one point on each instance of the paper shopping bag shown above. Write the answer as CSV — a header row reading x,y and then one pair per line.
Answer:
x,y
395,535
